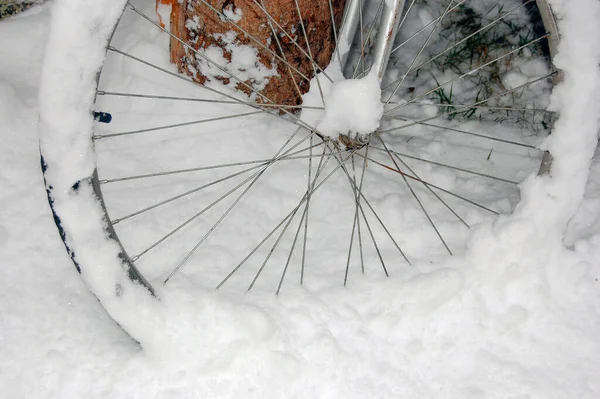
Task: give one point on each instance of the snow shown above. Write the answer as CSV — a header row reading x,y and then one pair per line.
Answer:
x,y
518,316
164,14
352,106
244,62
234,15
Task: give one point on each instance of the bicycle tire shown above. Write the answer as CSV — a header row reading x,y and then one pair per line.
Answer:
x,y
75,191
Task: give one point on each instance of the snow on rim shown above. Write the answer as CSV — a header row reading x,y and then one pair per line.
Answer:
x,y
67,94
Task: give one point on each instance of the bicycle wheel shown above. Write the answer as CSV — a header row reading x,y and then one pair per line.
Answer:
x,y
220,184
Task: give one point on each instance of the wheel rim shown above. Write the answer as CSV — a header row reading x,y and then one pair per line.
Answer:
x,y
440,176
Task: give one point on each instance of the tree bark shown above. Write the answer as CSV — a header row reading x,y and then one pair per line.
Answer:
x,y
203,27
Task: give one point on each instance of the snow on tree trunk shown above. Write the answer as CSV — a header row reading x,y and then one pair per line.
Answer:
x,y
204,28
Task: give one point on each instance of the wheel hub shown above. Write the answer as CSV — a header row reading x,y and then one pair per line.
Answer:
x,y
354,141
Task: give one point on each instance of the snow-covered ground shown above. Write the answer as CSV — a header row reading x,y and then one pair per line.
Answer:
x,y
506,320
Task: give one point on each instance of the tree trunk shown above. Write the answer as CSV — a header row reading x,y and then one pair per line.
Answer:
x,y
203,27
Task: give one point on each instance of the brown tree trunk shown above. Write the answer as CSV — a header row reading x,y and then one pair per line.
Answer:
x,y
201,27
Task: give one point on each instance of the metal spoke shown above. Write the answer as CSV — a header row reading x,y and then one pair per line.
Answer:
x,y
199,53
310,56
287,225
289,258
448,166
406,14
471,71
398,47
335,37
489,25
366,40
221,68
354,195
203,100
352,183
302,201
433,186
431,190
308,180
468,106
303,219
182,77
356,221
453,129
416,197
174,125
264,163
262,45
293,41
353,228
360,245
383,226
283,56
439,105
236,201
223,17
198,214
194,217
362,212
435,21
419,53
291,156
295,119
213,227
186,193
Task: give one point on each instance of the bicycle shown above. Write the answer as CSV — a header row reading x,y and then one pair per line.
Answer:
x,y
425,172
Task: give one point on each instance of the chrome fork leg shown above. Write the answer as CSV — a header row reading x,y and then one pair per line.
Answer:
x,y
388,27
348,29
390,19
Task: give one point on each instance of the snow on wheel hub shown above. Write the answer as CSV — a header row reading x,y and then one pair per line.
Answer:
x,y
351,108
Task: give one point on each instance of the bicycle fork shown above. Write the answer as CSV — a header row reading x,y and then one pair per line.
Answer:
x,y
388,27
